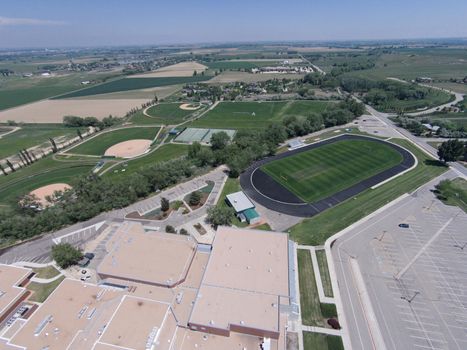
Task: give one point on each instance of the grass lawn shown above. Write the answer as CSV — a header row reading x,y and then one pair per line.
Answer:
x,y
323,171
167,113
315,230
263,227
453,192
314,313
42,291
127,84
31,135
239,115
164,153
44,172
324,272
46,272
318,341
99,144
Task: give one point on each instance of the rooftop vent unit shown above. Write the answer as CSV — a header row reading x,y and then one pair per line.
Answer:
x,y
42,325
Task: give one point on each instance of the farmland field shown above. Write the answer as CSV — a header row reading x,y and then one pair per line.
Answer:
x,y
15,91
31,135
167,113
53,111
164,153
323,171
234,65
239,115
99,144
126,84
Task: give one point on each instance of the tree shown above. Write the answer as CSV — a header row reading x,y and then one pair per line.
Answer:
x,y
183,232
54,145
220,216
219,140
165,204
79,134
170,229
195,198
3,170
66,255
450,150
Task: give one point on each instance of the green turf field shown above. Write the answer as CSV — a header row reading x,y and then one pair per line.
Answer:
x,y
315,230
126,84
323,171
167,113
44,172
31,135
164,153
99,144
239,115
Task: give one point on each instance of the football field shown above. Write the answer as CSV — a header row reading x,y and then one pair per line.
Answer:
x,y
321,172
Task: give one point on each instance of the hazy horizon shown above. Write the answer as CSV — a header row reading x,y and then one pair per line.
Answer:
x,y
52,23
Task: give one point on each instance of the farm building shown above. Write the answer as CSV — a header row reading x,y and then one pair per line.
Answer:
x,y
243,206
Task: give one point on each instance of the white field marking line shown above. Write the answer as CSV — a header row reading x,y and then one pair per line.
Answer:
x,y
365,302
332,271
422,250
426,347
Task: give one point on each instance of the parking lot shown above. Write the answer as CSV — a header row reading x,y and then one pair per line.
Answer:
x,y
415,277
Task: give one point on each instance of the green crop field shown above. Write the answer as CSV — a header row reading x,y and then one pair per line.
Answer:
x,y
234,65
164,153
166,113
16,91
239,115
44,172
31,135
315,230
321,172
126,84
99,144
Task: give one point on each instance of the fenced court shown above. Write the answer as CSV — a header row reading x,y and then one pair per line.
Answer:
x,y
200,135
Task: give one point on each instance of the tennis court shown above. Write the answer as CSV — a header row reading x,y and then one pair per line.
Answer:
x,y
200,135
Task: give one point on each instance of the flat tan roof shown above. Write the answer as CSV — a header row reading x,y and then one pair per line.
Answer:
x,y
138,324
219,307
191,340
10,278
147,257
73,314
246,276
250,260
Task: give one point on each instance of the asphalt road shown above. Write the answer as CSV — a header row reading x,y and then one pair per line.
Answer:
x,y
412,289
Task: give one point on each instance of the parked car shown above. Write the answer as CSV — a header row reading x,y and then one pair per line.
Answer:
x,y
404,225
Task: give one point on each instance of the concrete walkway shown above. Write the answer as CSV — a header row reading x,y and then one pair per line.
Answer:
x,y
322,330
46,280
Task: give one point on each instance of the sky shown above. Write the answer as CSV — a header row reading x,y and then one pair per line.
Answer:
x,y
62,23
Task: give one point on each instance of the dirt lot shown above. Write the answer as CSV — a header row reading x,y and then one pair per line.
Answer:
x,y
183,69
43,192
230,77
129,149
53,111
